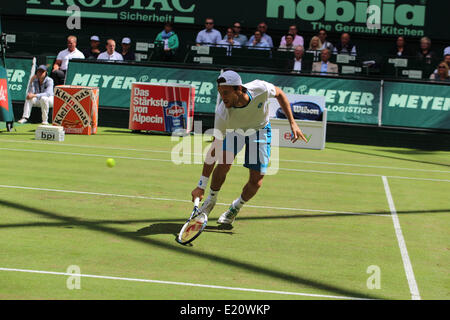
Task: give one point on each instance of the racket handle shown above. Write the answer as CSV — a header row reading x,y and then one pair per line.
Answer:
x,y
196,202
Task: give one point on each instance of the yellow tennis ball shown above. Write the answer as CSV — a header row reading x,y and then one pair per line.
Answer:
x,y
110,162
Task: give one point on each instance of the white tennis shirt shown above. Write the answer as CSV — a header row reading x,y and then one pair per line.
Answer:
x,y
255,115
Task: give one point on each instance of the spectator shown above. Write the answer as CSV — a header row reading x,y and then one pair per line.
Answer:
x,y
230,42
446,60
315,44
298,40
288,44
62,60
296,64
425,53
258,42
241,38
169,39
110,54
345,46
325,43
446,51
40,94
325,67
400,49
208,36
127,52
442,74
94,50
262,28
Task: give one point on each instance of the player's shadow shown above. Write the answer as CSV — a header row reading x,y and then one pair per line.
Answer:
x,y
257,268
174,229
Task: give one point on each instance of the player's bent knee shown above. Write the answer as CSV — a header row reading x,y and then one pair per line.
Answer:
x,y
256,184
256,181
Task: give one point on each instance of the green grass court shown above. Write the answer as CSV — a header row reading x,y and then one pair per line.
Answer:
x,y
311,232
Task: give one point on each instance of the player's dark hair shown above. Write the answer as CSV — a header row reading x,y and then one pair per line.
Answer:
x,y
221,80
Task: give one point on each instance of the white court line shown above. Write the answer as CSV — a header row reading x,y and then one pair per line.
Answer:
x,y
178,200
364,166
415,295
182,284
166,160
197,154
84,154
363,174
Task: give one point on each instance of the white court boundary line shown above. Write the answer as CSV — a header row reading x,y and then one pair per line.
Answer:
x,y
362,174
413,288
196,154
85,154
166,160
188,201
181,284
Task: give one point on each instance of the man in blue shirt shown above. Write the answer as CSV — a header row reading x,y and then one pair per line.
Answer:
x,y
325,67
208,36
258,42
40,94
229,42
241,38
262,27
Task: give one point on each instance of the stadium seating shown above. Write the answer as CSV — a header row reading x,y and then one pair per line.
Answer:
x,y
41,43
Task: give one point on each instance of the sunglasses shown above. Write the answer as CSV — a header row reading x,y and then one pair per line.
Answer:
x,y
441,67
237,27
209,22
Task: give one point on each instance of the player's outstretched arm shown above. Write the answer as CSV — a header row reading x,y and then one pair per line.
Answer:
x,y
285,105
208,167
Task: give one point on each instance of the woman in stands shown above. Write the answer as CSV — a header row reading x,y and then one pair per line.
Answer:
x,y
442,73
315,46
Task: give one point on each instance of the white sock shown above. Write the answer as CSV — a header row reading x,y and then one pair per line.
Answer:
x,y
238,203
213,194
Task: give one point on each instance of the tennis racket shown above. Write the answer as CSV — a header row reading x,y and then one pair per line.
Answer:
x,y
194,226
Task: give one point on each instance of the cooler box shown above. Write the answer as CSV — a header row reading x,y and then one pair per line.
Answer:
x,y
76,109
162,107
49,133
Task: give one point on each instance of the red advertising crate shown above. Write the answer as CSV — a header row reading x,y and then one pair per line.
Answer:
x,y
162,107
76,109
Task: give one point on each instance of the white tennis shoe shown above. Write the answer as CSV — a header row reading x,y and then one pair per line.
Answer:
x,y
227,218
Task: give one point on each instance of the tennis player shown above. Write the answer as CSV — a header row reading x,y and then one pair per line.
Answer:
x,y
242,118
